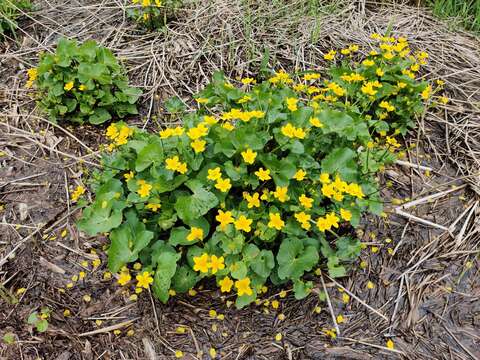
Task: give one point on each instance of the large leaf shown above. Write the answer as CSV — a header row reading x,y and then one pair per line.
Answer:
x,y
294,259
150,154
264,263
166,268
190,207
184,279
127,241
341,160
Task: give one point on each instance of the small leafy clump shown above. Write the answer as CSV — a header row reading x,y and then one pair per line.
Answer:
x,y
152,14
83,83
264,183
10,11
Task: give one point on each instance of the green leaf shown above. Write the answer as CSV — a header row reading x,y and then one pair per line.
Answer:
x,y
264,263
150,154
341,160
348,248
42,325
238,270
32,318
294,259
100,115
166,268
9,338
302,289
184,279
174,105
98,219
178,236
230,245
198,204
127,241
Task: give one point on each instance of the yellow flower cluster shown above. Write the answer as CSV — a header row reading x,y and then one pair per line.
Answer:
x,y
293,132
369,87
246,116
338,188
327,222
32,76
79,191
118,134
281,77
169,132
206,263
174,164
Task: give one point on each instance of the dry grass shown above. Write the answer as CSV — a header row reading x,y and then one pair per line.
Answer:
x,y
425,298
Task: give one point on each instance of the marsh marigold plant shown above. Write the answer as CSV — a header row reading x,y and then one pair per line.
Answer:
x,y
264,182
82,82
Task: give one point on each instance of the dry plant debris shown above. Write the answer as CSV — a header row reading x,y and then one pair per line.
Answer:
x,y
418,282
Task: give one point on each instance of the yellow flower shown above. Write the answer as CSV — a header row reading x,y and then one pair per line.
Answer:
x,y
210,120
178,354
152,206
172,163
129,175
332,219
226,284
228,126
300,175
214,174
243,287
243,223
275,221
387,106
315,122
292,104
263,175
79,191
68,86
146,3
345,214
288,130
144,280
379,72
249,156
124,278
390,344
198,145
252,200
322,224
197,132
305,201
368,62
311,76
144,189
330,55
201,100
158,3
195,233
224,218
280,193
324,178
223,185
247,81
426,93
216,263
201,263
303,219
82,87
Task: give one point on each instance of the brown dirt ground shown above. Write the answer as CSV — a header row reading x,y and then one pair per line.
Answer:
x,y
425,298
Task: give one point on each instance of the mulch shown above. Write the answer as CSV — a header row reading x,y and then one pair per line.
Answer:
x,y
422,258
